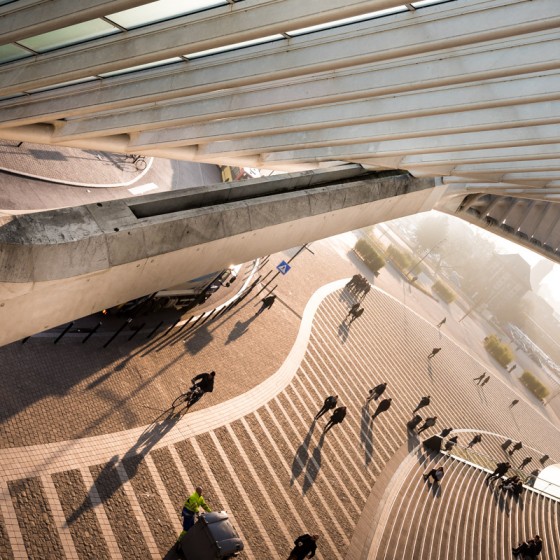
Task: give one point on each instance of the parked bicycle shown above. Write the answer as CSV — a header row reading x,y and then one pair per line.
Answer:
x,y
137,160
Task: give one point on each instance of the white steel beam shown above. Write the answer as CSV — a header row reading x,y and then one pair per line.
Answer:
x,y
443,143
21,20
494,119
234,23
535,54
408,35
467,107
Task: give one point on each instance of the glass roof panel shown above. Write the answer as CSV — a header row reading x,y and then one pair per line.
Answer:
x,y
71,35
346,21
161,10
421,3
142,67
11,52
236,46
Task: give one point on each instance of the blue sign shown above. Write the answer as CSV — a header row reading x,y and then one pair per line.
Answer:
x,y
283,267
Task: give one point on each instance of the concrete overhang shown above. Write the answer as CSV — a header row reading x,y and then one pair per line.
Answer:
x,y
60,265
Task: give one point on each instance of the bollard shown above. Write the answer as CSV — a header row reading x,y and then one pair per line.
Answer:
x,y
154,331
92,332
127,322
68,327
207,317
136,331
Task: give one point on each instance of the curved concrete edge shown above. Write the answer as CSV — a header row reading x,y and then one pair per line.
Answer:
x,y
374,518
34,460
75,184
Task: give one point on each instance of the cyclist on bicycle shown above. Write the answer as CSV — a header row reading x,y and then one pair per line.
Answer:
x,y
201,383
204,382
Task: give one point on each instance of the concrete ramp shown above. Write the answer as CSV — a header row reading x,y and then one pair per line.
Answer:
x,y
60,265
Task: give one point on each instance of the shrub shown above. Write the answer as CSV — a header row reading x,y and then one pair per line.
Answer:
x,y
372,258
444,292
401,259
534,385
500,351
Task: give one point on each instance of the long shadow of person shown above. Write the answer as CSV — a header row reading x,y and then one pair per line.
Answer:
x,y
239,329
413,440
108,481
302,454
313,466
343,331
366,434
500,499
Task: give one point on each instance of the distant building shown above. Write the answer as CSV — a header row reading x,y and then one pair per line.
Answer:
x,y
509,278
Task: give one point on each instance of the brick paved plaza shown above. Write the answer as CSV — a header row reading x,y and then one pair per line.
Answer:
x,y
93,465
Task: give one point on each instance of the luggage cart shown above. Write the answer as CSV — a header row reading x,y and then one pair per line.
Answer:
x,y
211,537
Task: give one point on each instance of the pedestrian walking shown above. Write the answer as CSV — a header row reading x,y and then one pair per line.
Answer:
x,y
266,303
509,482
428,423
433,353
485,381
356,315
451,443
436,474
376,392
353,310
480,378
544,459
476,439
530,548
336,418
515,448
424,401
513,403
190,509
499,471
445,432
329,404
305,547
525,462
442,322
383,406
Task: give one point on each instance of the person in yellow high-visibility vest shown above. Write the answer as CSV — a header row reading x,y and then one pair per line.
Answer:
x,y
190,509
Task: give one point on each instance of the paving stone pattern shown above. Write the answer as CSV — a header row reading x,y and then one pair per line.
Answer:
x,y
279,476
174,485
119,511
35,520
80,517
5,548
150,501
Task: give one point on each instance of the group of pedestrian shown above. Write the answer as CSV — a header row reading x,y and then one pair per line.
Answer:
x,y
416,419
356,311
512,484
482,379
530,549
358,284
337,416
